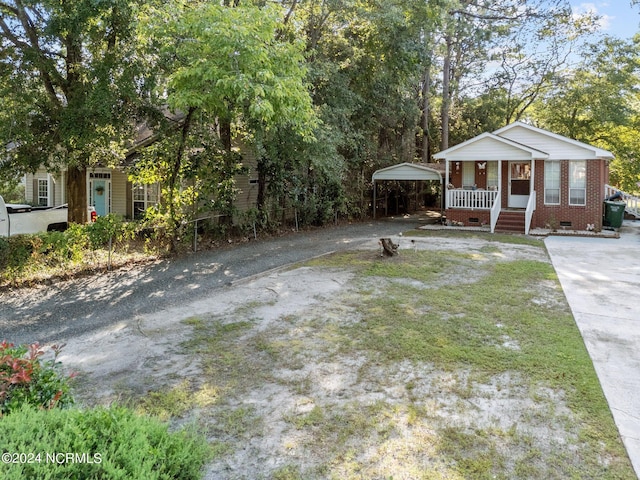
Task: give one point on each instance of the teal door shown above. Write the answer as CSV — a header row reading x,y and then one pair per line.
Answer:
x,y
101,197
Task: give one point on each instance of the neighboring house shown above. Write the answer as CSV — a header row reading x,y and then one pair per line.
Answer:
x,y
521,177
110,191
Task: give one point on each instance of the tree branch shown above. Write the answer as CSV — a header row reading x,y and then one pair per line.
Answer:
x,y
20,13
290,12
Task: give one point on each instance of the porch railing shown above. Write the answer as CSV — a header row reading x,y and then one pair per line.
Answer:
x,y
495,212
633,202
528,213
473,199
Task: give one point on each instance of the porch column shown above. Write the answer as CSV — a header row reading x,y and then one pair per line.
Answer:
x,y
63,186
533,176
445,184
500,180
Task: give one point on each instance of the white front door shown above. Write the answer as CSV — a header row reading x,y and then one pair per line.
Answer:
x,y
519,184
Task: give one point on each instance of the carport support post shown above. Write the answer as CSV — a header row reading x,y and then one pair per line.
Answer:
x,y
374,199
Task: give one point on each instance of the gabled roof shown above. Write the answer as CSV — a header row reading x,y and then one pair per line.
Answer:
x,y
488,146
409,171
519,131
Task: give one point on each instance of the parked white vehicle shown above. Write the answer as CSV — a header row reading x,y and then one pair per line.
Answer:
x,y
16,219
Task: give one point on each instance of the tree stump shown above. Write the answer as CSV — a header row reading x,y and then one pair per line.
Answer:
x,y
388,247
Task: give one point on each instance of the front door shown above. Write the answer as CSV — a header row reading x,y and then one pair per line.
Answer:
x,y
519,184
100,196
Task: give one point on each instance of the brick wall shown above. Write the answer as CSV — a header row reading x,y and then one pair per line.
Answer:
x,y
467,217
578,216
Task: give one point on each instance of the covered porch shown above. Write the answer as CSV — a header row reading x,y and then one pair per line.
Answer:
x,y
489,177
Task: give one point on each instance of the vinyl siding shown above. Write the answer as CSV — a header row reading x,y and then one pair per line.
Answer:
x,y
247,191
488,149
56,184
556,148
119,193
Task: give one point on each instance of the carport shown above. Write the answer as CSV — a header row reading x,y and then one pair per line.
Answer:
x,y
407,172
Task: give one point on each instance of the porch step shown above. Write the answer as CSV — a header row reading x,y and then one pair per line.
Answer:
x,y
512,222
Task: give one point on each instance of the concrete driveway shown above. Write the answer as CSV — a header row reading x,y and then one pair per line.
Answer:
x,y
601,280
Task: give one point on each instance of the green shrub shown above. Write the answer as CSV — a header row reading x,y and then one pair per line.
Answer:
x,y
15,253
102,443
77,241
26,380
110,226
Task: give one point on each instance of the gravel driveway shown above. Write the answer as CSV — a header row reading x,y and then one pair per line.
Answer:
x,y
57,313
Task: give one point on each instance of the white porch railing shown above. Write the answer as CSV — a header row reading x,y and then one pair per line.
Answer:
x,y
528,213
633,202
472,199
495,212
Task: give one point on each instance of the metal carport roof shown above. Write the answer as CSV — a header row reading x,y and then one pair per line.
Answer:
x,y
406,172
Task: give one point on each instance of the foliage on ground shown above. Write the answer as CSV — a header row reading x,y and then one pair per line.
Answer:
x,y
27,379
97,246
112,443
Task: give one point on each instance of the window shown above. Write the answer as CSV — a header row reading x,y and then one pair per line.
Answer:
x,y
552,182
577,182
144,196
43,192
468,174
492,174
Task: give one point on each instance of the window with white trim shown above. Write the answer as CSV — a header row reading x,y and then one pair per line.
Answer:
x,y
577,182
43,192
552,182
144,196
492,174
468,174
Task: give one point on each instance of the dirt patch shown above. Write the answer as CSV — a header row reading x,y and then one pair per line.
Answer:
x,y
293,401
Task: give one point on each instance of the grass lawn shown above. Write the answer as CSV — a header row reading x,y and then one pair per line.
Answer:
x,y
447,363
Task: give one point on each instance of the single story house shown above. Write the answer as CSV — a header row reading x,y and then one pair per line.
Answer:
x,y
110,191
521,177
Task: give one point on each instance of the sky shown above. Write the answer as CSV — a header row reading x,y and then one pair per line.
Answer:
x,y
619,18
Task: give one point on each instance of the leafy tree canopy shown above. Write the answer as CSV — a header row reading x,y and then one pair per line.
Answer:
x,y
239,64
69,83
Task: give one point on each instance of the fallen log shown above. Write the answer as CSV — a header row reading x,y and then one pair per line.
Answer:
x,y
388,247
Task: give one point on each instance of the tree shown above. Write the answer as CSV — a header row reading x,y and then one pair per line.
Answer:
x,y
536,53
367,60
528,40
70,86
230,68
597,103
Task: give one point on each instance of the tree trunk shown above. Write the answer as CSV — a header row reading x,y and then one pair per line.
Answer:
x,y
426,107
446,94
262,185
225,133
173,178
225,139
388,248
77,194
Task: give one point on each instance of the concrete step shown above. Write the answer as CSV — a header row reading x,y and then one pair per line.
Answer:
x,y
512,222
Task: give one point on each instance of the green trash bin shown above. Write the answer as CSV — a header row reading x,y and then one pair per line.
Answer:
x,y
613,213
